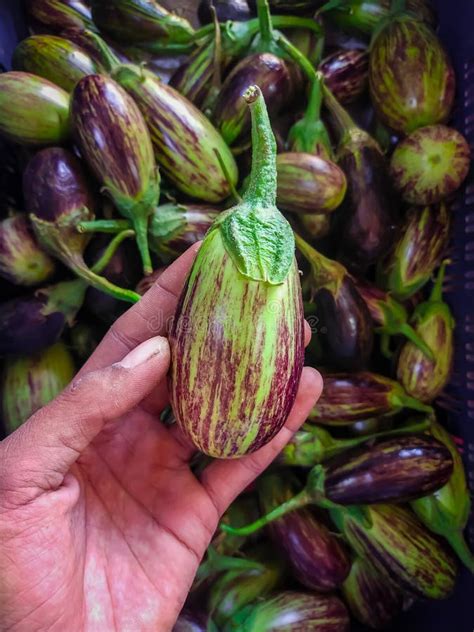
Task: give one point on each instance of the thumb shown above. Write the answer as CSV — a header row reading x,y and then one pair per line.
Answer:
x,y
43,449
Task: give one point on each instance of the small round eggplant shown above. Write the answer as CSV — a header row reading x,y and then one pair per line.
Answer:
x,y
30,382
33,111
309,184
430,164
22,261
411,77
271,74
54,58
346,73
53,16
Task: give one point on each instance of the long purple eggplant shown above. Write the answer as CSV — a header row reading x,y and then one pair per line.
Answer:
x,y
237,338
317,559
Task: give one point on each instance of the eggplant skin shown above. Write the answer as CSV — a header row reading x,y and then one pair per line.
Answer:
x,y
57,15
397,470
237,354
309,184
400,547
346,73
412,82
184,140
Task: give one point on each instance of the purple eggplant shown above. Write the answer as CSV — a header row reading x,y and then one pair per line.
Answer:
x,y
53,16
31,324
236,10
317,559
296,611
231,114
22,261
58,197
368,217
350,397
345,324
346,73
192,621
372,598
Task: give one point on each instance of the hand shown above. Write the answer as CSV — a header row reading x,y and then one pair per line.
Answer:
x,y
102,522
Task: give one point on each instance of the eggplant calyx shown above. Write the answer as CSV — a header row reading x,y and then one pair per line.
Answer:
x,y
325,272
66,297
395,323
399,399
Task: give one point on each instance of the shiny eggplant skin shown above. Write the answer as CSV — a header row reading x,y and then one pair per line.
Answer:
x,y
309,184
350,397
231,114
400,547
422,241
372,599
191,621
53,16
392,470
317,559
54,58
184,140
411,79
235,10
346,73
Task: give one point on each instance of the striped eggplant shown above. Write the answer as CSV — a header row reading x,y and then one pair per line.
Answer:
x,y
185,142
411,78
115,142
350,397
399,547
29,382
231,114
237,337
418,251
191,620
392,470
344,322
22,261
309,184
104,53
367,218
316,557
430,164
58,197
366,15
140,21
54,58
422,377
346,73
313,445
372,599
315,225
292,611
446,511
33,111
53,16
390,316
30,324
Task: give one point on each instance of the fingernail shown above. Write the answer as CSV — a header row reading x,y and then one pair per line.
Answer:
x,y
144,352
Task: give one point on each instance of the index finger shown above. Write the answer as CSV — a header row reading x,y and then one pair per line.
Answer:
x,y
148,318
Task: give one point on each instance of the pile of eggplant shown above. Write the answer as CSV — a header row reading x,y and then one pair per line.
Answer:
x,y
128,133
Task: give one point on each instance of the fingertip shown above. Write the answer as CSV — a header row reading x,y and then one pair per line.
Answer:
x,y
311,382
156,347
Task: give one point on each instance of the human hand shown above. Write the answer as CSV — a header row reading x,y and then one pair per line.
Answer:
x,y
102,522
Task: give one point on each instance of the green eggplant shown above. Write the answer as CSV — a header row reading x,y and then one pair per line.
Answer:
x,y
22,261
53,16
313,444
372,599
33,111
446,511
400,547
188,148
30,382
315,556
292,611
309,184
390,316
237,339
115,142
350,397
423,377
430,164
417,252
54,58
411,78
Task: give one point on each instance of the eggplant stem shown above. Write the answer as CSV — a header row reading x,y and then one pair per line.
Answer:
x,y
265,22
297,502
111,249
459,545
101,283
436,295
104,226
343,120
409,333
298,57
235,194
140,225
111,60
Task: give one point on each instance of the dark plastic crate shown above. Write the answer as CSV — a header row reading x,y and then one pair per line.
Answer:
x,y
456,18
